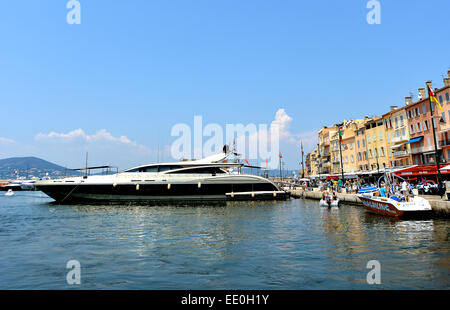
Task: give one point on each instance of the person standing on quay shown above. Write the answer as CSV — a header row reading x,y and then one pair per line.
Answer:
x,y
339,185
355,187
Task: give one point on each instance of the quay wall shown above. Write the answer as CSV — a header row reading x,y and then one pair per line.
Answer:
x,y
439,206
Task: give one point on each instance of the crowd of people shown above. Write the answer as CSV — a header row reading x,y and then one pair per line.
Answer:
x,y
348,187
397,187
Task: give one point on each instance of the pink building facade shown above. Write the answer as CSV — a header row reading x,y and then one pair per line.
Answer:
x,y
420,122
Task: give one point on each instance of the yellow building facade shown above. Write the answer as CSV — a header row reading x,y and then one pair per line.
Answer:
x,y
334,149
397,136
324,162
349,145
330,148
377,150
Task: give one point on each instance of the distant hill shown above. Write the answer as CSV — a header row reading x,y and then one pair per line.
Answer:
x,y
29,167
36,167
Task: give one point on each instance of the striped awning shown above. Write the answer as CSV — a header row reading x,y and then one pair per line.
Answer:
x,y
398,145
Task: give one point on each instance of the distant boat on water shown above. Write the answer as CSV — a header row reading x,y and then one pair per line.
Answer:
x,y
14,185
19,185
9,193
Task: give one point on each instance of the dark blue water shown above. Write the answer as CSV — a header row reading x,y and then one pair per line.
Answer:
x,y
285,245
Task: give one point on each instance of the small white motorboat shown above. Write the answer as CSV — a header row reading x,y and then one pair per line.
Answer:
x,y
330,203
9,193
394,205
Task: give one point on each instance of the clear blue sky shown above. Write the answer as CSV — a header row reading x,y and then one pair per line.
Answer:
x,y
136,68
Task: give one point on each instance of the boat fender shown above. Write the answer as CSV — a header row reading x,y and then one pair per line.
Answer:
x,y
168,186
137,187
253,194
115,184
199,184
232,194
274,194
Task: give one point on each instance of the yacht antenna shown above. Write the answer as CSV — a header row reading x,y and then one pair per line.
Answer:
x,y
158,147
86,173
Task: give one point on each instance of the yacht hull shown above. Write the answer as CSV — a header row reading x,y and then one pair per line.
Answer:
x,y
91,193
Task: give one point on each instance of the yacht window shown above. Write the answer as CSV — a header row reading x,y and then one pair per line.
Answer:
x,y
150,169
145,169
201,170
167,168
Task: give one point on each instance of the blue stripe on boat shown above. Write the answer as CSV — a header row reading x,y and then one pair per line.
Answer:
x,y
368,189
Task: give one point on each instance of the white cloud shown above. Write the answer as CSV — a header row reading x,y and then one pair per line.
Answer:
x,y
283,121
274,135
6,141
103,148
78,134
308,138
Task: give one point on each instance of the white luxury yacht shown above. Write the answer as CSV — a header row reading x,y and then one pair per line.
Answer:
x,y
208,179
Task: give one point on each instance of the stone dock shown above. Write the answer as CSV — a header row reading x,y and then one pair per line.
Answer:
x,y
440,207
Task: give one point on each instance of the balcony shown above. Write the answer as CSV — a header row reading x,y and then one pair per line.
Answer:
x,y
399,139
444,142
422,149
400,153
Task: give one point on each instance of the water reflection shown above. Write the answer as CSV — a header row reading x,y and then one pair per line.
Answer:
x,y
260,245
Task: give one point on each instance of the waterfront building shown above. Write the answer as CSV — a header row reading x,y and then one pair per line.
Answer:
x,y
376,145
400,138
443,95
397,136
362,157
307,165
334,149
349,149
314,162
419,126
329,152
324,165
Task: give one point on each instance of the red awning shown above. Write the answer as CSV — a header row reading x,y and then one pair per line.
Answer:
x,y
420,170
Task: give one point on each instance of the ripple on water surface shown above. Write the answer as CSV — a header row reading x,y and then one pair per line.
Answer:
x,y
261,245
